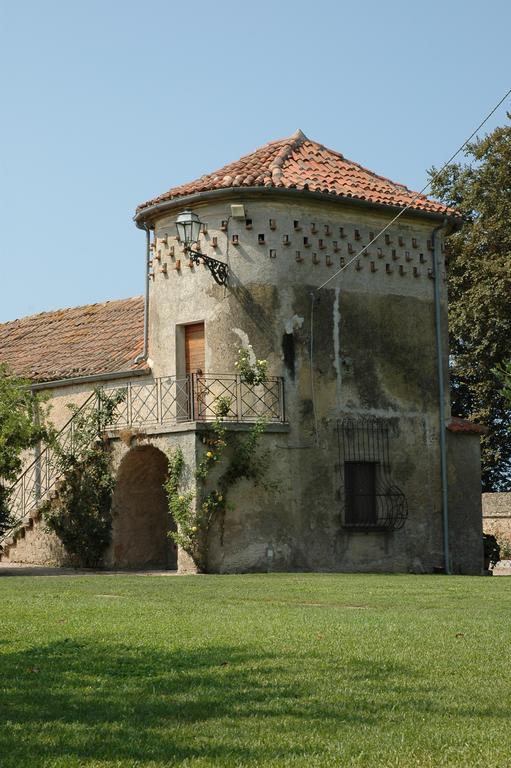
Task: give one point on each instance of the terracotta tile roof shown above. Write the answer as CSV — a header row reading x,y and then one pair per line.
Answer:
x,y
81,341
469,427
299,163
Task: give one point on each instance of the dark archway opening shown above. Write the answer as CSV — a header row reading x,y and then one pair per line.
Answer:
x,y
141,520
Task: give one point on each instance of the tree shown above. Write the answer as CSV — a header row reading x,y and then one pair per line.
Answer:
x,y
18,431
504,373
479,283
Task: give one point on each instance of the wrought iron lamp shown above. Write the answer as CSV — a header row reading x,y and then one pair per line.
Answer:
x,y
188,227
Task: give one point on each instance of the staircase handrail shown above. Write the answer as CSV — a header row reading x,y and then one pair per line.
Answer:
x,y
9,531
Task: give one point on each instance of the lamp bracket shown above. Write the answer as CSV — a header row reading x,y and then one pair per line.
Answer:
x,y
218,269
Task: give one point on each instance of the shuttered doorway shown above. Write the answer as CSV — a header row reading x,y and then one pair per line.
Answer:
x,y
194,348
195,360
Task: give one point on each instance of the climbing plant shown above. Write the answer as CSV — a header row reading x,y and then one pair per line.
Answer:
x,y
251,370
80,514
22,418
195,516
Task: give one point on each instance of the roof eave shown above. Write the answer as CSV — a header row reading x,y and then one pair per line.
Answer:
x,y
89,378
146,216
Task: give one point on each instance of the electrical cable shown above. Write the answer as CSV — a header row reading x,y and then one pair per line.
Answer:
x,y
313,394
365,247
417,194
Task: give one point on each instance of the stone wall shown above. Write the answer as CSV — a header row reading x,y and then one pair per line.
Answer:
x,y
37,546
497,516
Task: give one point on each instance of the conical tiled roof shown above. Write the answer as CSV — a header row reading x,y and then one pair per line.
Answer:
x,y
302,164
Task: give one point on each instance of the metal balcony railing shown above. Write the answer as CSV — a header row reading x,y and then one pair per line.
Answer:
x,y
169,400
160,402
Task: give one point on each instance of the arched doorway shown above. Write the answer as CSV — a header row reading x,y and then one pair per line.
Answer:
x,y
141,519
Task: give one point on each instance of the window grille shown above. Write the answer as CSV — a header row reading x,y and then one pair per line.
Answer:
x,y
371,499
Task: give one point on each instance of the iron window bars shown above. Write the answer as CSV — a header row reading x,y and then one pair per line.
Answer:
x,y
371,499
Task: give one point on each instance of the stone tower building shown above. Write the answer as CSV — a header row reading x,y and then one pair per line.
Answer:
x,y
368,470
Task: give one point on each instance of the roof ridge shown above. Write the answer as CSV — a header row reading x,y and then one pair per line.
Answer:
x,y
370,172
290,144
300,163
366,169
287,144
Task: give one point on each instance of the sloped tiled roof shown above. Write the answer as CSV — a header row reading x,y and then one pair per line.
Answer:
x,y
299,163
81,341
464,425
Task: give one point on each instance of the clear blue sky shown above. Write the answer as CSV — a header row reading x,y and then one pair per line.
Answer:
x,y
108,103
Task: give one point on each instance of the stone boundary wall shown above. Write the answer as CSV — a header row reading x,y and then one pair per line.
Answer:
x,y
497,516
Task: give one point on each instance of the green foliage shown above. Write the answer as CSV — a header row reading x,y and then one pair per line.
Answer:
x,y
246,461
479,283
80,515
223,406
19,430
503,373
194,517
182,508
251,372
491,549
504,541
215,441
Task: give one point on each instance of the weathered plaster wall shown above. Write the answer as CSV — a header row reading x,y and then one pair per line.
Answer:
x,y
267,280
465,521
298,525
373,353
140,521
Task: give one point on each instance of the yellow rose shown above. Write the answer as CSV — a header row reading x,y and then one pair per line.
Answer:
x,y
209,454
194,528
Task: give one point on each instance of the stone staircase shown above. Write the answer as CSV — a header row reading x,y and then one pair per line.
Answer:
x,y
38,483
27,544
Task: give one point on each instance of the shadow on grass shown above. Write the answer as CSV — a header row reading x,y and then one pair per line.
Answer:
x,y
92,702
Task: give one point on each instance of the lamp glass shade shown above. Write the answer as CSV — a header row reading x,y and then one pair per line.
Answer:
x,y
188,227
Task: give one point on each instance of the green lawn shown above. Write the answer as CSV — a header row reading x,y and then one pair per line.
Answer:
x,y
277,670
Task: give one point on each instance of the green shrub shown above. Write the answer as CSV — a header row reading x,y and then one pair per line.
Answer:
x,y
491,549
81,515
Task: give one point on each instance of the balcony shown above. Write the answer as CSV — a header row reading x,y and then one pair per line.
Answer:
x,y
200,398
155,405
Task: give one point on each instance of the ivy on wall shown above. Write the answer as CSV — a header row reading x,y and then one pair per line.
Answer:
x,y
195,516
80,514
18,432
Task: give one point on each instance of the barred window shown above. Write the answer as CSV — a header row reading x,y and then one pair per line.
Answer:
x,y
371,500
360,493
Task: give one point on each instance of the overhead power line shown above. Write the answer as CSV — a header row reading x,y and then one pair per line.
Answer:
x,y
417,194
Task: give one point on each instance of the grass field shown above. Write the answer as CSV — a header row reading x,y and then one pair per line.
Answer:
x,y
277,670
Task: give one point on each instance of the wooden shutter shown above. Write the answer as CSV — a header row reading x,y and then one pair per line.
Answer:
x,y
194,348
